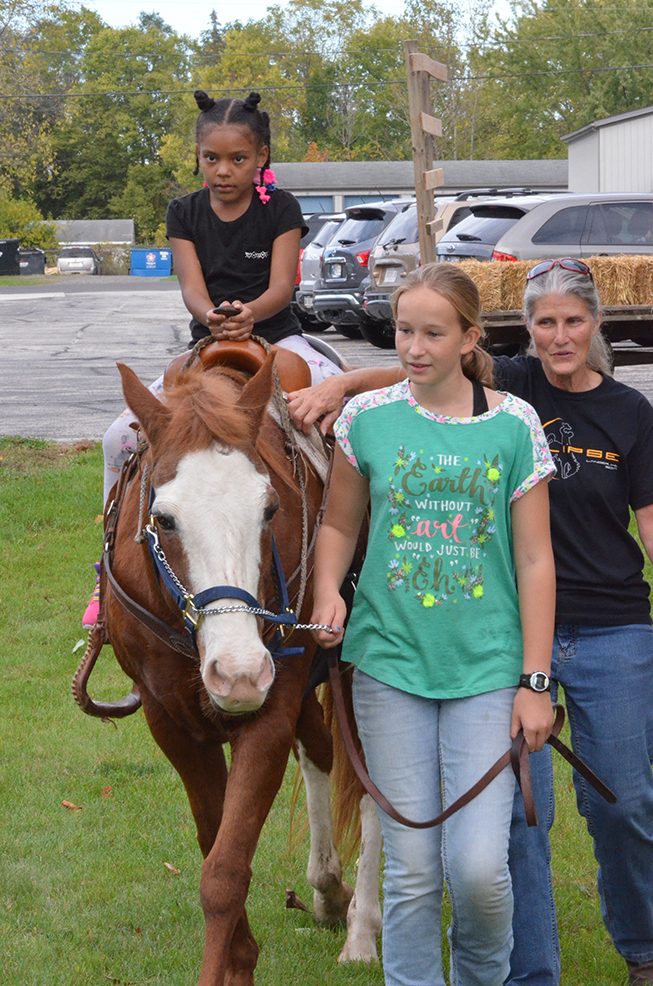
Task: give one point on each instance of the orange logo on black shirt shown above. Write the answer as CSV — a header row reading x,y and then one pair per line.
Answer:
x,y
568,457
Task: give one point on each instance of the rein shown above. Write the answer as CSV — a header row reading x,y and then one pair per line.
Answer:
x,y
517,756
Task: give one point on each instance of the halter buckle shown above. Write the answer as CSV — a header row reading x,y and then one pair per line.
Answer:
x,y
193,620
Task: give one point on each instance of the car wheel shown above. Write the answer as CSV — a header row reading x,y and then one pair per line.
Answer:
x,y
309,323
349,330
379,334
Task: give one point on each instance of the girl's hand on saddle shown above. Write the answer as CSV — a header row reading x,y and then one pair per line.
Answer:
x,y
235,327
532,712
324,401
331,613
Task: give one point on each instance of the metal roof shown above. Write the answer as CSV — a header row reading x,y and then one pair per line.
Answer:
x,y
607,121
393,176
89,232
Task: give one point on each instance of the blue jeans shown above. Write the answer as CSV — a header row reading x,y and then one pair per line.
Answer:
x,y
423,754
607,675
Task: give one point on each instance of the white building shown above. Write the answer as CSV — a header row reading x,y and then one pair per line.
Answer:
x,y
613,155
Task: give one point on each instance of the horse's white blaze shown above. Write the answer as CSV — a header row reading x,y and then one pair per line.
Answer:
x,y
217,500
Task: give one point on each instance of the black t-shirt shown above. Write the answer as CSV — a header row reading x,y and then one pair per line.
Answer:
x,y
601,441
235,256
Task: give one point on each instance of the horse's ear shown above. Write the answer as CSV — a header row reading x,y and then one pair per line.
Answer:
x,y
257,392
153,416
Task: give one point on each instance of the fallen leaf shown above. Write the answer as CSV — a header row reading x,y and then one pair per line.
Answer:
x,y
173,869
99,519
292,900
107,792
71,806
80,643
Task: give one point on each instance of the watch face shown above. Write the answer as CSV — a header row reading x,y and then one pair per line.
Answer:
x,y
539,681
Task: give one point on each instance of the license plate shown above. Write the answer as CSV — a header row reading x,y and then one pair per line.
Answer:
x,y
390,275
336,270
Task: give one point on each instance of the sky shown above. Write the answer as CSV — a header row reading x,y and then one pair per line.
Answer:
x,y
192,16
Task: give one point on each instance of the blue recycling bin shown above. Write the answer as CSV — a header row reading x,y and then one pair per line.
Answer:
x,y
150,263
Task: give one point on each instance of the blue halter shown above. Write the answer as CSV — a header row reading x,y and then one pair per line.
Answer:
x,y
192,606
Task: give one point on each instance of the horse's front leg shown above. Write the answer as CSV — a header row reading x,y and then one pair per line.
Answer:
x,y
331,896
259,756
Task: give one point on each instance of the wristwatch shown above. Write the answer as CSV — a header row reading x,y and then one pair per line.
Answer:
x,y
537,681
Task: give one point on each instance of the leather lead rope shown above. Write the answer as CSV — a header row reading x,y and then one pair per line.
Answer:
x,y
517,755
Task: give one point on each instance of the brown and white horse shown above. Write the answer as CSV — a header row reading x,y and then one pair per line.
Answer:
x,y
218,486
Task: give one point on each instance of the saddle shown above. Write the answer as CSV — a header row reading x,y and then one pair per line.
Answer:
x,y
248,357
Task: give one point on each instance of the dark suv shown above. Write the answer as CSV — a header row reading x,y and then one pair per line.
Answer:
x,y
339,299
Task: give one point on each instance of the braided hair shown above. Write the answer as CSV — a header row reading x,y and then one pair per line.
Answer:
x,y
241,112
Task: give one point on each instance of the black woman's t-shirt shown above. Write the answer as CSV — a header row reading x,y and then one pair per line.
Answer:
x,y
235,256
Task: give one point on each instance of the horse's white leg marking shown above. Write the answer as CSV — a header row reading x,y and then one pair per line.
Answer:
x,y
331,896
364,915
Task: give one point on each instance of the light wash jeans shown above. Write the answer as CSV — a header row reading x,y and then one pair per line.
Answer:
x,y
423,754
607,675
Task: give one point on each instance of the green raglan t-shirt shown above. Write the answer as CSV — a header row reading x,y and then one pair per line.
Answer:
x,y
436,610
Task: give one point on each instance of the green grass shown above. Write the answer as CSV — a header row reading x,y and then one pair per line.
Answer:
x,y
85,896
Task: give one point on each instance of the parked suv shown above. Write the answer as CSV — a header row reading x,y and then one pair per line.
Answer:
x,y
339,299
396,253
310,264
78,260
476,237
315,222
581,226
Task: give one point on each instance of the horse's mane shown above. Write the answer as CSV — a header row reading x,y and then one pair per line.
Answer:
x,y
204,409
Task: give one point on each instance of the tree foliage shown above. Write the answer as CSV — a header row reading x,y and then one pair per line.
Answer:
x,y
99,122
563,64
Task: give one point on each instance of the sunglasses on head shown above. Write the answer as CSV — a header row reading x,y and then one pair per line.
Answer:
x,y
567,263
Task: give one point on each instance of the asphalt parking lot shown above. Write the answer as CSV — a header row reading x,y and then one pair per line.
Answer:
x,y
61,339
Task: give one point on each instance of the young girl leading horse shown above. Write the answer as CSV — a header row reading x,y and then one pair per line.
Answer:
x,y
453,613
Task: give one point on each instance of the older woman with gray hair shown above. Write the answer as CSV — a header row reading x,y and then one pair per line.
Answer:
x,y
600,433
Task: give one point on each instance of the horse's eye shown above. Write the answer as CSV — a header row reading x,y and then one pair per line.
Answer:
x,y
165,522
270,511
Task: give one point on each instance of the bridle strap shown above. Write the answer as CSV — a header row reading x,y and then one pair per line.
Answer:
x,y
165,633
517,755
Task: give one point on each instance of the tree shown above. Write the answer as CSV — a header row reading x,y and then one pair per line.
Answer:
x,y
21,220
24,145
110,134
559,65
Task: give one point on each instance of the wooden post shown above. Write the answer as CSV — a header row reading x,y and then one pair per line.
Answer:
x,y
424,127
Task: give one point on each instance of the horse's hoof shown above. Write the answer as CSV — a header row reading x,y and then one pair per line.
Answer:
x,y
358,951
332,910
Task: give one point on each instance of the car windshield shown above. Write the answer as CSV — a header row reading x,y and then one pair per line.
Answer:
x,y
480,229
402,229
76,252
327,231
357,230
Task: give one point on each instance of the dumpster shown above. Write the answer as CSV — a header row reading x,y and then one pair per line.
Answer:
x,y
32,261
9,262
150,263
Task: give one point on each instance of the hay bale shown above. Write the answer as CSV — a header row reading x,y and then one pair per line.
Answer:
x,y
621,280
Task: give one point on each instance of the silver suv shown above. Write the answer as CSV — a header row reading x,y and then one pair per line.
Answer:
x,y
581,226
78,260
396,253
310,268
